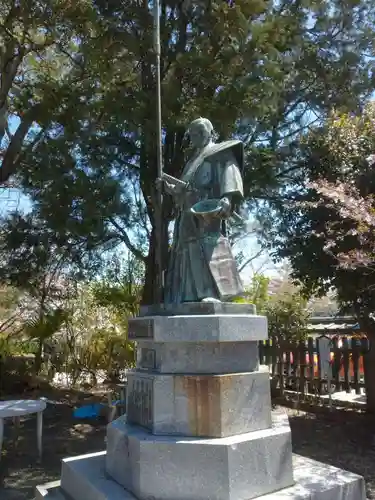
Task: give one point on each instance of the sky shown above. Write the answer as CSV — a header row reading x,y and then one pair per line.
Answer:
x,y
12,199
263,264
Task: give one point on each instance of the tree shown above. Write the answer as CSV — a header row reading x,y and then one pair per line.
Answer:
x,y
287,310
260,70
39,70
121,287
95,337
38,269
257,292
326,227
288,316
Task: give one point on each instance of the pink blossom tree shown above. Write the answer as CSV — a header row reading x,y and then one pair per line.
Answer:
x,y
326,227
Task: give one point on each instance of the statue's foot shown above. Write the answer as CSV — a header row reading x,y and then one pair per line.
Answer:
x,y
210,299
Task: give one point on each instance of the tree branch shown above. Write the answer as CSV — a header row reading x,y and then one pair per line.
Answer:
x,y
248,261
125,238
11,156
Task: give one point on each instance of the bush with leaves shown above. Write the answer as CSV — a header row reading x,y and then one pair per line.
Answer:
x,y
256,293
287,311
94,341
288,317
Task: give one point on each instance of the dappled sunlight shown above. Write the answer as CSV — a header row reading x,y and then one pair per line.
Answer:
x,y
63,436
81,430
342,438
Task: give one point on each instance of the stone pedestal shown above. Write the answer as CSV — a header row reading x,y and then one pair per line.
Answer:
x,y
244,466
199,424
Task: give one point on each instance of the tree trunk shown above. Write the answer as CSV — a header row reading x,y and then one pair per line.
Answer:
x,y
173,162
369,370
148,296
367,325
38,357
150,292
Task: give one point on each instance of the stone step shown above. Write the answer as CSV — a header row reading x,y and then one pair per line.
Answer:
x,y
186,468
85,479
319,481
50,491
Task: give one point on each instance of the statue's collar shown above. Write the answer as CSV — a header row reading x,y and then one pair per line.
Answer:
x,y
210,150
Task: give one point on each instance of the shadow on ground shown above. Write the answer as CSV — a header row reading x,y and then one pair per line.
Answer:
x,y
62,436
343,438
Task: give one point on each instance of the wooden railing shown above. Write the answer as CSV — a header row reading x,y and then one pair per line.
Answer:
x,y
299,366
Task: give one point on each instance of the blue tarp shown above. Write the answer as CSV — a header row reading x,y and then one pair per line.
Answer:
x,y
92,411
88,411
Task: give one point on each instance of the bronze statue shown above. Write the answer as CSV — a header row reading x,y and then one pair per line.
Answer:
x,y
202,266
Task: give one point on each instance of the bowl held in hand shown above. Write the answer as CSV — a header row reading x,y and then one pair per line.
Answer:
x,y
207,209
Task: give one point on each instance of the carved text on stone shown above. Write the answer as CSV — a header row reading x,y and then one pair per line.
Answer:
x,y
140,402
141,329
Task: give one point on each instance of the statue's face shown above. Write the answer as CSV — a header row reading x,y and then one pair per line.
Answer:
x,y
199,136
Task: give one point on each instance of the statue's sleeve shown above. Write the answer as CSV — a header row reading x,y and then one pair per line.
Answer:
x,y
230,180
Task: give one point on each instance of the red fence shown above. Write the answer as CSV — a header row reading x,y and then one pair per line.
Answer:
x,y
298,366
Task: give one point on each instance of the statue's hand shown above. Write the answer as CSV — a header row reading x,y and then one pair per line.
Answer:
x,y
168,187
159,183
174,189
226,208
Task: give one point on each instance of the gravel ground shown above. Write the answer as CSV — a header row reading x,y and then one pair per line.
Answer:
x,y
344,438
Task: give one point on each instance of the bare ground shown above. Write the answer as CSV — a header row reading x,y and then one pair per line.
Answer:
x,y
63,436
344,438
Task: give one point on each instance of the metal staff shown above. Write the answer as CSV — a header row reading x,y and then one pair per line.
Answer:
x,y
159,159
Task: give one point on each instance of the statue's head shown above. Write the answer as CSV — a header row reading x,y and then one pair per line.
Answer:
x,y
200,132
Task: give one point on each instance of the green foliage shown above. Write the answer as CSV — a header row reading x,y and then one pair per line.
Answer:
x,y
104,351
325,228
46,325
287,316
96,336
120,289
258,70
287,310
257,293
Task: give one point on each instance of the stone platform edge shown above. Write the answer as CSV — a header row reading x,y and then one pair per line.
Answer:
x,y
189,308
313,480
199,328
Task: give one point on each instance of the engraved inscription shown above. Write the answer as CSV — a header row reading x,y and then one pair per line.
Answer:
x,y
140,402
141,329
147,359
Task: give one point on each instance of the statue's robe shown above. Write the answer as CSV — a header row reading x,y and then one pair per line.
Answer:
x,y
201,260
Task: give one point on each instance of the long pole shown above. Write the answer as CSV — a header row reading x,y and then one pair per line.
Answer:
x,y
159,158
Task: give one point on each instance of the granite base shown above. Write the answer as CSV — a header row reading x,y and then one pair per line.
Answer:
x,y
182,468
200,405
85,479
199,328
188,308
197,357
